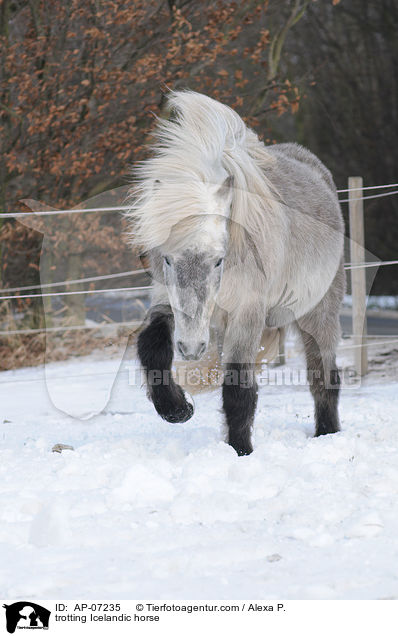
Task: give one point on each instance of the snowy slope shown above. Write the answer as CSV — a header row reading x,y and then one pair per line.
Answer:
x,y
146,509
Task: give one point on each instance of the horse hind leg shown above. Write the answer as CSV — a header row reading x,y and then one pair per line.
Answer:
x,y
320,343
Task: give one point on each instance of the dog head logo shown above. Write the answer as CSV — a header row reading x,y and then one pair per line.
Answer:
x,y
26,615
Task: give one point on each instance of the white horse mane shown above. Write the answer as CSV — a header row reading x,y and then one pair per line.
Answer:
x,y
201,144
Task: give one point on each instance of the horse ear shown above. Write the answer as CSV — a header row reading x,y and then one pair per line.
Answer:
x,y
225,189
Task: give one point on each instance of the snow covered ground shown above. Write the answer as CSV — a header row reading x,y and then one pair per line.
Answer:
x,y
145,509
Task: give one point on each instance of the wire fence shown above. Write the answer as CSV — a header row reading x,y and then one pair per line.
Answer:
x,y
66,328
17,296
13,293
16,215
371,264
378,187
372,196
91,279
77,292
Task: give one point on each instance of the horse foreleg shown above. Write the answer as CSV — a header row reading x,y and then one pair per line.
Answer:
x,y
240,387
155,351
239,403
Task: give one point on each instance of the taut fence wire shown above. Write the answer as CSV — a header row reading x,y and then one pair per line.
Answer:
x,y
17,296
16,215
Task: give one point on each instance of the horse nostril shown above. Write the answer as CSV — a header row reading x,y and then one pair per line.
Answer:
x,y
201,349
181,348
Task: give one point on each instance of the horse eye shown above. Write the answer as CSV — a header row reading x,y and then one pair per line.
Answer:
x,y
166,260
220,260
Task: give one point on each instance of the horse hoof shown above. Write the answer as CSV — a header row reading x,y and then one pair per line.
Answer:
x,y
241,447
244,451
179,413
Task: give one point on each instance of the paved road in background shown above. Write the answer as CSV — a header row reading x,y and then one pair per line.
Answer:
x,y
385,324
377,325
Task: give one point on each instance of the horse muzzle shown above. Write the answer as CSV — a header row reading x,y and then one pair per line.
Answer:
x,y
191,350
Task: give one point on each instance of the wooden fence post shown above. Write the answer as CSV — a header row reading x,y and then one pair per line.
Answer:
x,y
358,277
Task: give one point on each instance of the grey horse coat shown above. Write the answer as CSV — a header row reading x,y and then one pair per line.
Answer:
x,y
244,237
